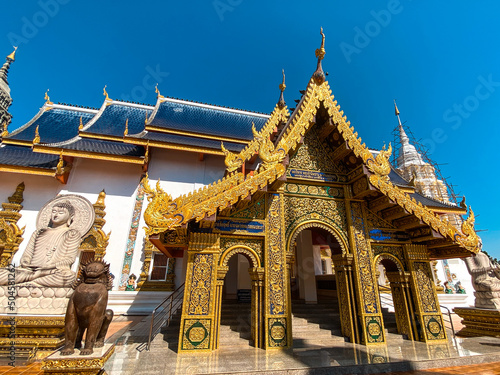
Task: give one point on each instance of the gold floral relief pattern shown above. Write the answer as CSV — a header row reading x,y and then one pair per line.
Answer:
x,y
396,251
314,190
376,222
363,259
277,332
275,259
299,210
199,299
314,155
196,334
426,288
255,211
434,327
228,242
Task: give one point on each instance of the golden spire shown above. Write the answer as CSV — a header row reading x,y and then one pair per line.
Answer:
x,y
396,108
5,131
320,52
146,119
281,101
319,76
12,56
47,98
105,93
80,127
125,132
60,164
36,140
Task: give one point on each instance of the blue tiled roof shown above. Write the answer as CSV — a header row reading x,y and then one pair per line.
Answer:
x,y
55,125
192,141
24,156
112,120
105,147
206,120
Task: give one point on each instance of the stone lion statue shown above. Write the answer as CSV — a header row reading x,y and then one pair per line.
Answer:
x,y
87,309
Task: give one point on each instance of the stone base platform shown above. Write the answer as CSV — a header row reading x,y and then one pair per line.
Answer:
x,y
34,300
32,335
76,363
479,322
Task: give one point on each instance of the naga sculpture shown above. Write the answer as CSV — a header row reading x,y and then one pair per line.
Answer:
x,y
485,280
87,309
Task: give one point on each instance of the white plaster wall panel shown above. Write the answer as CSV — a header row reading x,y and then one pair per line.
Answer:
x,y
120,181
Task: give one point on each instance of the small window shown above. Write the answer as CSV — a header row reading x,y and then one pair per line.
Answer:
x,y
159,269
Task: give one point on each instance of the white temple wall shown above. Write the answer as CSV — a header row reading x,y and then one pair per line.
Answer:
x,y
120,181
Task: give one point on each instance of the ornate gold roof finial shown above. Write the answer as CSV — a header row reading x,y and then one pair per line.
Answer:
x,y
5,130
100,199
12,56
157,91
80,127
125,132
281,101
105,93
36,140
146,119
60,164
318,75
47,98
146,155
17,197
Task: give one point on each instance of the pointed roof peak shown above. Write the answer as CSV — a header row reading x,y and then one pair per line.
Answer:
x,y
408,154
4,71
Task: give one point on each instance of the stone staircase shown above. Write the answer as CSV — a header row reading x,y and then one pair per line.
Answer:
x,y
235,329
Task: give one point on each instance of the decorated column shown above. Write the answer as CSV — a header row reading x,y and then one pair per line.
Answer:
x,y
427,311
403,306
347,302
257,276
277,309
198,322
369,310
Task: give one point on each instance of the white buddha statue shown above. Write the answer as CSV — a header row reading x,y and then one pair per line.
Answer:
x,y
50,252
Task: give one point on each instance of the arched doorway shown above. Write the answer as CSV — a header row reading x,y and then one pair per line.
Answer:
x,y
233,281
393,274
316,251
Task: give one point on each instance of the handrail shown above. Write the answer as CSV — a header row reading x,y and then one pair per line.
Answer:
x,y
449,316
381,287
163,313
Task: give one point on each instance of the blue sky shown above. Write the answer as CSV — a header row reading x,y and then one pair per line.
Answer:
x,y
440,60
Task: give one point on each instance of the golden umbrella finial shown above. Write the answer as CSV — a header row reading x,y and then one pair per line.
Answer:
x,y
12,56
319,76
105,93
80,127
281,101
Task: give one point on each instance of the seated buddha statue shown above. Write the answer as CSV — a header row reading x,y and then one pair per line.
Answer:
x,y
50,252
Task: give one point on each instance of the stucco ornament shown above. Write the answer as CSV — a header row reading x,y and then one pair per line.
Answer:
x,y
485,280
53,247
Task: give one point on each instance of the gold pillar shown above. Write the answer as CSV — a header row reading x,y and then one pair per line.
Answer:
x,y
430,323
345,295
11,235
277,309
257,276
366,287
199,325
403,306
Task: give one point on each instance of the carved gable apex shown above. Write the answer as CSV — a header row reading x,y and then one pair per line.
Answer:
x,y
315,155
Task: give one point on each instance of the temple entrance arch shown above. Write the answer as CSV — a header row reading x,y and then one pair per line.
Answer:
x,y
256,274
400,289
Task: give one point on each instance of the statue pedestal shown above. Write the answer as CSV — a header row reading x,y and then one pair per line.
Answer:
x,y
34,320
478,322
76,363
